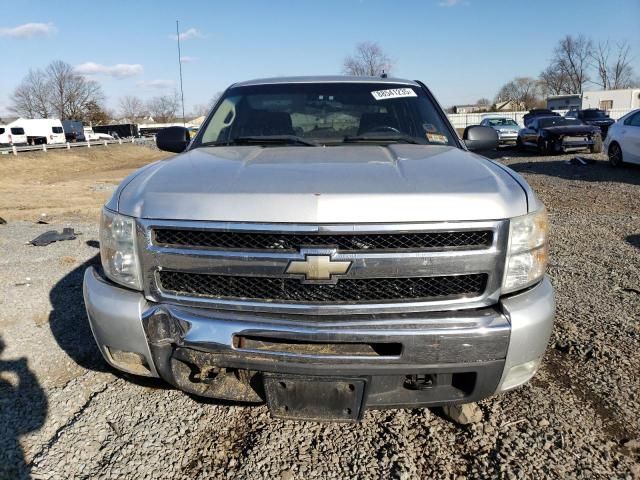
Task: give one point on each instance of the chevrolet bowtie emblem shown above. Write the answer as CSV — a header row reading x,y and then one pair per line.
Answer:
x,y
318,267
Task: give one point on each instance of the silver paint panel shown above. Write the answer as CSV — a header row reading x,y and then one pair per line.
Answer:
x,y
324,185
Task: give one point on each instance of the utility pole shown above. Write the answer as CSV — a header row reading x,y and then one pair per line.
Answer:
x,y
180,65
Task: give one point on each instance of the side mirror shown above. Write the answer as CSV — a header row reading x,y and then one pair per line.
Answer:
x,y
478,138
173,139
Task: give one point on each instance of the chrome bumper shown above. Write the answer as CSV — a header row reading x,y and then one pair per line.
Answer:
x,y
488,341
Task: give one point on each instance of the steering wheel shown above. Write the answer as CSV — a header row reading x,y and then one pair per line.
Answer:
x,y
383,128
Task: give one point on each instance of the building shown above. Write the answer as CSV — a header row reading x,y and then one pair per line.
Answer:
x,y
626,99
564,102
469,108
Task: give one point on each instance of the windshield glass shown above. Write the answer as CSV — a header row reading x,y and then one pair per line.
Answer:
x,y
557,122
327,113
502,122
594,114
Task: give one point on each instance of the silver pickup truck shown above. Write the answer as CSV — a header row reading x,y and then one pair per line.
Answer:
x,y
325,245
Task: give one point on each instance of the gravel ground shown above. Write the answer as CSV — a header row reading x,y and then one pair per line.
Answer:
x,y
65,414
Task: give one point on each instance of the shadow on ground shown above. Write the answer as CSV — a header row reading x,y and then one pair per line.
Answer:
x,y
23,409
633,240
68,319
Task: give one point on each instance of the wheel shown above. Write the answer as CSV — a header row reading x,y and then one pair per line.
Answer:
x,y
542,147
615,155
597,146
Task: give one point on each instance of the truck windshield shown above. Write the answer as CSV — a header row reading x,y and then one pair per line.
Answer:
x,y
500,122
326,114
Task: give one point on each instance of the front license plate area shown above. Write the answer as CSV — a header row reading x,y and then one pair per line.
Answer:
x,y
315,398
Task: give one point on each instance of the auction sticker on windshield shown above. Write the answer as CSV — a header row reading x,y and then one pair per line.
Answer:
x,y
393,93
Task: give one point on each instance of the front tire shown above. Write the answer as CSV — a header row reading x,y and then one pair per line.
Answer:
x,y
597,146
615,155
543,148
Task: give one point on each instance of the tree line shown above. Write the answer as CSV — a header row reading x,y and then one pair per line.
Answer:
x,y
57,91
577,62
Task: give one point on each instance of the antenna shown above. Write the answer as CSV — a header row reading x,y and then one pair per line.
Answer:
x,y
180,65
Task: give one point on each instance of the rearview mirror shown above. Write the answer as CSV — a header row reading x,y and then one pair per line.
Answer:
x,y
478,138
173,139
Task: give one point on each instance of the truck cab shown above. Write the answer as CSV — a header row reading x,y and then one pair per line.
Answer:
x,y
325,245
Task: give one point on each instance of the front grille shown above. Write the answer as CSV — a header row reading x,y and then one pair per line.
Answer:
x,y
343,242
347,290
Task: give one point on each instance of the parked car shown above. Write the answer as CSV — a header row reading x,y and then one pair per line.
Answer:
x,y
325,245
593,116
12,135
41,130
538,112
92,136
123,130
623,141
73,131
507,129
557,134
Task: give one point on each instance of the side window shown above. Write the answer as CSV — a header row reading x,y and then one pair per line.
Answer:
x,y
633,120
56,129
1,131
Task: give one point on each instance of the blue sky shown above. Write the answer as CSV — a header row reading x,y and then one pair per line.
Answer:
x,y
462,49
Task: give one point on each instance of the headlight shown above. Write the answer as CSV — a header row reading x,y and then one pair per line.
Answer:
x,y
118,249
528,251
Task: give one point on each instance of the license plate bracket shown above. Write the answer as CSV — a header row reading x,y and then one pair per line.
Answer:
x,y
315,398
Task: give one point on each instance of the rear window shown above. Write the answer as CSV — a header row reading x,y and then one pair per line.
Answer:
x,y
56,129
17,130
594,114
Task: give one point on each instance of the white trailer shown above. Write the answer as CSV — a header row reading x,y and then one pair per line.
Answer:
x,y
41,130
626,99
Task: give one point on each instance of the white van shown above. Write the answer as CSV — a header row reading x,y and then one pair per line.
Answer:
x,y
41,130
12,135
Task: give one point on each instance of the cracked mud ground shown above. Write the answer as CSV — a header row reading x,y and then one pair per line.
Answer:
x,y
65,414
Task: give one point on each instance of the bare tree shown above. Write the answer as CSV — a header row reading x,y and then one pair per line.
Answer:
x,y
572,57
57,91
30,98
554,81
613,67
163,108
368,59
132,108
524,92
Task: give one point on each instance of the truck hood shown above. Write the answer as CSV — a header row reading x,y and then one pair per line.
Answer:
x,y
342,184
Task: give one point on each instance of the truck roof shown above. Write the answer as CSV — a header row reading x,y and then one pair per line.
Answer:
x,y
325,79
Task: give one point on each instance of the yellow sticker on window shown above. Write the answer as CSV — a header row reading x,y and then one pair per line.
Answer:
x,y
437,138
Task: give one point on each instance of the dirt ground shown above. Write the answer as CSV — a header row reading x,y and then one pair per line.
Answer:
x,y
65,183
64,414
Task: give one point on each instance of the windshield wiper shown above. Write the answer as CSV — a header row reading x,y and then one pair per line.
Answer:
x,y
264,140
400,138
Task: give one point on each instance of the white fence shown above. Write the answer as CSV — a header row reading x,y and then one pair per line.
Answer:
x,y
463,120
61,146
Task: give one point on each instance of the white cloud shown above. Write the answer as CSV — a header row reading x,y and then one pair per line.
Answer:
x,y
28,30
118,70
188,34
157,83
450,3
188,59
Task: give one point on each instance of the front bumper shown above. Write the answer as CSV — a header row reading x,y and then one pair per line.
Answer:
x,y
424,359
